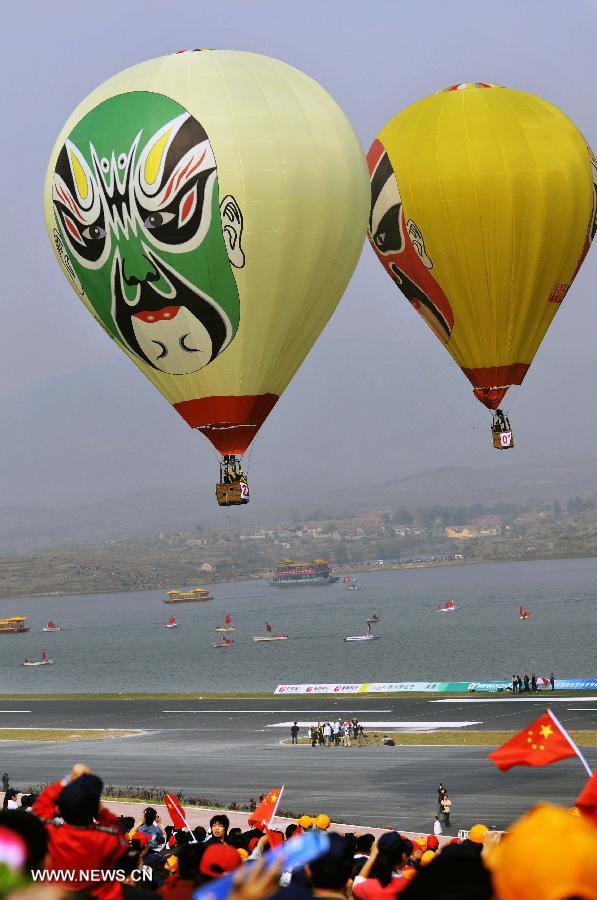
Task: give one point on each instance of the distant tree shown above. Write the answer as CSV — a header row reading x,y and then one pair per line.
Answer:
x,y
403,517
557,509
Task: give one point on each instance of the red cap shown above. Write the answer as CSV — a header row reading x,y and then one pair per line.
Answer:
x,y
140,836
432,842
219,858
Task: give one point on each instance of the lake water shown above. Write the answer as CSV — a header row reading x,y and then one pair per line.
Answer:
x,y
114,642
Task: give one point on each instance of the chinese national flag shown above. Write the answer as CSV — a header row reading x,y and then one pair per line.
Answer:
x,y
541,744
265,812
586,802
175,811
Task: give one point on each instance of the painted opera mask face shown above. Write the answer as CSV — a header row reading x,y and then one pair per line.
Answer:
x,y
140,221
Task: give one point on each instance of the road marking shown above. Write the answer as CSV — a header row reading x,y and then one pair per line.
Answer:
x,y
542,699
582,709
417,725
267,711
15,710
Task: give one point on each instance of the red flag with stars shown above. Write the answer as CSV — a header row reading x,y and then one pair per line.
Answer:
x,y
542,743
265,812
175,811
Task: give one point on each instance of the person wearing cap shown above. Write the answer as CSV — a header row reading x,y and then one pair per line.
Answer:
x,y
381,876
432,842
89,837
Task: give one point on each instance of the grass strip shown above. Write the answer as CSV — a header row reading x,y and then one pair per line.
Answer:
x,y
456,738
63,735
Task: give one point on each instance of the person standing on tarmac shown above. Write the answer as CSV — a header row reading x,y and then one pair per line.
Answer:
x,y
294,730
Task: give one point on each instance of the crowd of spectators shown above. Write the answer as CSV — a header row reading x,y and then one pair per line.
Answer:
x,y
65,844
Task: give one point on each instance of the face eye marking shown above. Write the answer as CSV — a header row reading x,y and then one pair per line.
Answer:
x,y
155,219
183,346
122,161
94,232
163,347
105,164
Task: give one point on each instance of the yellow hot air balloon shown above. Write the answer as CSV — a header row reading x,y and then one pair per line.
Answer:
x,y
482,210
209,208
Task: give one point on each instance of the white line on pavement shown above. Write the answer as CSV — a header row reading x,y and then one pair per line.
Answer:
x,y
268,711
15,710
547,698
417,725
582,709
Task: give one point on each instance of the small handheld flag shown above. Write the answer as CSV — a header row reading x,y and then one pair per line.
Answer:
x,y
266,811
545,741
176,813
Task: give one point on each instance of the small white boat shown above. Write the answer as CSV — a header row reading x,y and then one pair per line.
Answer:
x,y
227,626
270,635
363,637
225,642
171,623
367,636
44,661
449,606
51,627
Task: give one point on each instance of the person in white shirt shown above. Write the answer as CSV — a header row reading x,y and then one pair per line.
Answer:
x,y
437,827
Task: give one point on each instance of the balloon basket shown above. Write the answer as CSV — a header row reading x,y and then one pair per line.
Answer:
x,y
502,440
236,494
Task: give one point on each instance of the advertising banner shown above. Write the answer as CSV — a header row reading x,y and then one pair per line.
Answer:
x,y
429,687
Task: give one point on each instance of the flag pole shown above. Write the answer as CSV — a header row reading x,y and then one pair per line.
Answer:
x,y
570,741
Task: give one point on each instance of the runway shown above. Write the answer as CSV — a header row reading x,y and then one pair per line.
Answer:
x,y
230,750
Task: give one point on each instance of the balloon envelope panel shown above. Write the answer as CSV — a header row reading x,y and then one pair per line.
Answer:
x,y
209,208
483,207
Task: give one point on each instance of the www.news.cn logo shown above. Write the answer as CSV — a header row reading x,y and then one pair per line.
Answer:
x,y
87,876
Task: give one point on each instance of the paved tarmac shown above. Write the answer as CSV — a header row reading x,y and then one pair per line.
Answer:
x,y
229,750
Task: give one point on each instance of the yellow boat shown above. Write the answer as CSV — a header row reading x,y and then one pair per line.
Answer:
x,y
14,625
191,596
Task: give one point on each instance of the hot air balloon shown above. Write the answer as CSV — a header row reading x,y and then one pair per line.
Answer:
x,y
209,208
483,207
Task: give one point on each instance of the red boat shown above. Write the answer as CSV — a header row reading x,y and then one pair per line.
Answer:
x,y
51,626
449,606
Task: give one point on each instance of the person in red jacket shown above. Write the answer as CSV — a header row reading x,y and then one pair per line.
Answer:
x,y
88,840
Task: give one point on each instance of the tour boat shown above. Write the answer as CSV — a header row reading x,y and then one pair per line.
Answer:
x,y
449,606
367,636
227,627
191,596
51,626
270,635
524,613
14,625
315,573
171,623
44,661
224,642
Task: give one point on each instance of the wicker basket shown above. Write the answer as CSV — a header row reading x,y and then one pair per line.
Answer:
x,y
236,494
502,440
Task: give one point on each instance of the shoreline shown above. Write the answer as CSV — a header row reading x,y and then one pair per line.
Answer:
x,y
271,697
339,570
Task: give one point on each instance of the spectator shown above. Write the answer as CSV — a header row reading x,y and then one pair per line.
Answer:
x,y
329,875
437,826
294,732
381,875
327,734
533,682
10,799
446,805
346,734
33,833
313,735
552,681
78,842
440,794
150,824
218,825
5,782
200,834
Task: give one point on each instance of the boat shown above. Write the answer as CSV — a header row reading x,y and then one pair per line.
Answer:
x,y
14,625
171,623
525,613
270,635
51,626
224,642
367,636
191,596
44,661
449,606
373,617
315,573
228,626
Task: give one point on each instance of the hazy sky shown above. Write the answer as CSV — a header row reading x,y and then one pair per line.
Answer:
x,y
374,59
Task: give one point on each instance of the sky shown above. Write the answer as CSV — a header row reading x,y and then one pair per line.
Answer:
x,y
378,391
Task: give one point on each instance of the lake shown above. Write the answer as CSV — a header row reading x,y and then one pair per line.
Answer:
x,y
115,642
